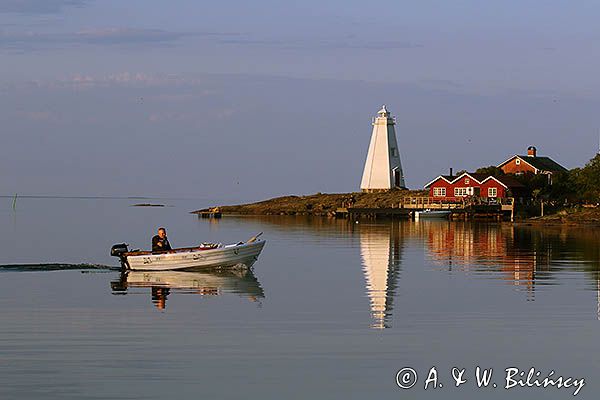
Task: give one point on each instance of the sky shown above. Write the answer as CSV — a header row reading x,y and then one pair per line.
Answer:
x,y
249,100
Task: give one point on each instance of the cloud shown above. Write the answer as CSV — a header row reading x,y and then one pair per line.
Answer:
x,y
82,81
441,83
122,79
38,6
28,41
125,35
324,43
46,116
111,36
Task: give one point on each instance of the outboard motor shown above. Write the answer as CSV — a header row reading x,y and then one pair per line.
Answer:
x,y
118,250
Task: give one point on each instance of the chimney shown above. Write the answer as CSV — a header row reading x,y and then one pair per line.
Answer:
x,y
450,172
531,151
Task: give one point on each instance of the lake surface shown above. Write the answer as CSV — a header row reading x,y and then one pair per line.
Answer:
x,y
332,309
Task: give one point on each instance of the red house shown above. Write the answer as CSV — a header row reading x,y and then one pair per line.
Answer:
x,y
533,163
456,188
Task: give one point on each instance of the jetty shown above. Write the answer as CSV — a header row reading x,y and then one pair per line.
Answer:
x,y
213,212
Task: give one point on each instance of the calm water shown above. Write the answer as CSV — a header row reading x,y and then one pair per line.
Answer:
x,y
332,309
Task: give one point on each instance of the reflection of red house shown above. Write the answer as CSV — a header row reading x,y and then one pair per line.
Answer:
x,y
484,248
446,187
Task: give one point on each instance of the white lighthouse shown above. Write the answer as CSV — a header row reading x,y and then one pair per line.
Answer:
x,y
383,170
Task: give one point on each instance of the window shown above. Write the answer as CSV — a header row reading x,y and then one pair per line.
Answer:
x,y
492,192
467,180
518,162
439,192
460,192
393,151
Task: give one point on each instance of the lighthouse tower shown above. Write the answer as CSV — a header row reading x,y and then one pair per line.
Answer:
x,y
383,170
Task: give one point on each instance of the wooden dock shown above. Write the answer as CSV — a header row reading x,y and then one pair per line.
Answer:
x,y
463,208
358,212
214,212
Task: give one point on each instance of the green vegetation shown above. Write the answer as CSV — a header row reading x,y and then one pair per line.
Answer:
x,y
587,180
577,186
491,170
568,197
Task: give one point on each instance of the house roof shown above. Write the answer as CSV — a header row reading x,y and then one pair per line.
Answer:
x,y
544,163
447,178
508,181
505,180
478,177
541,163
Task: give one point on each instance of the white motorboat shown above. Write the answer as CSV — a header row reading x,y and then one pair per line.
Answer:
x,y
205,256
432,214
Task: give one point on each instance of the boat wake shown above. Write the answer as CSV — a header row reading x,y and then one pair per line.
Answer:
x,y
54,267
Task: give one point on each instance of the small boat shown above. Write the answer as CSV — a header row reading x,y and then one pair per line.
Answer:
x,y
205,256
432,214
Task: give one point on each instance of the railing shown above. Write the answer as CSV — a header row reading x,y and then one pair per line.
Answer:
x,y
453,202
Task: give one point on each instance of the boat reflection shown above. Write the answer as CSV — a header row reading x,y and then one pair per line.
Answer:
x,y
203,283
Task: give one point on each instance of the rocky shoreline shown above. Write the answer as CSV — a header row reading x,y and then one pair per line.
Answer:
x,y
326,204
319,204
576,216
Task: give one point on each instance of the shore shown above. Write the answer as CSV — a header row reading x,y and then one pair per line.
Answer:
x,y
573,216
326,204
319,204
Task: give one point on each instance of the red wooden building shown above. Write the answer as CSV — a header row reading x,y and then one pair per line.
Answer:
x,y
455,188
519,164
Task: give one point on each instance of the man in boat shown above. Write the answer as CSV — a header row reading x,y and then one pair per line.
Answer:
x,y
160,241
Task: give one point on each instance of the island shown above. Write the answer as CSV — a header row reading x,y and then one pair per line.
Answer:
x,y
318,204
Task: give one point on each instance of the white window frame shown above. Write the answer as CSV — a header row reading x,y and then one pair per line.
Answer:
x,y
460,192
492,192
439,192
517,162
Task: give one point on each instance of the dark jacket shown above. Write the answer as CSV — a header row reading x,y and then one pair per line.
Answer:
x,y
165,245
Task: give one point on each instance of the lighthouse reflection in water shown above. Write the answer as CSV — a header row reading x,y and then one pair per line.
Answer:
x,y
525,258
381,251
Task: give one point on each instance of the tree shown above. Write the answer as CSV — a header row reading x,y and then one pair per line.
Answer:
x,y
535,185
587,180
563,188
491,170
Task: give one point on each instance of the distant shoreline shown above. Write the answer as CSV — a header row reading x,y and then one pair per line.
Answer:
x,y
578,216
26,196
319,204
326,205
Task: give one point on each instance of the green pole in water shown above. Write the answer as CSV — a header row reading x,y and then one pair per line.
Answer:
x,y
15,203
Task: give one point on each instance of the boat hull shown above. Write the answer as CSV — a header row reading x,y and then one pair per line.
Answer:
x,y
191,259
